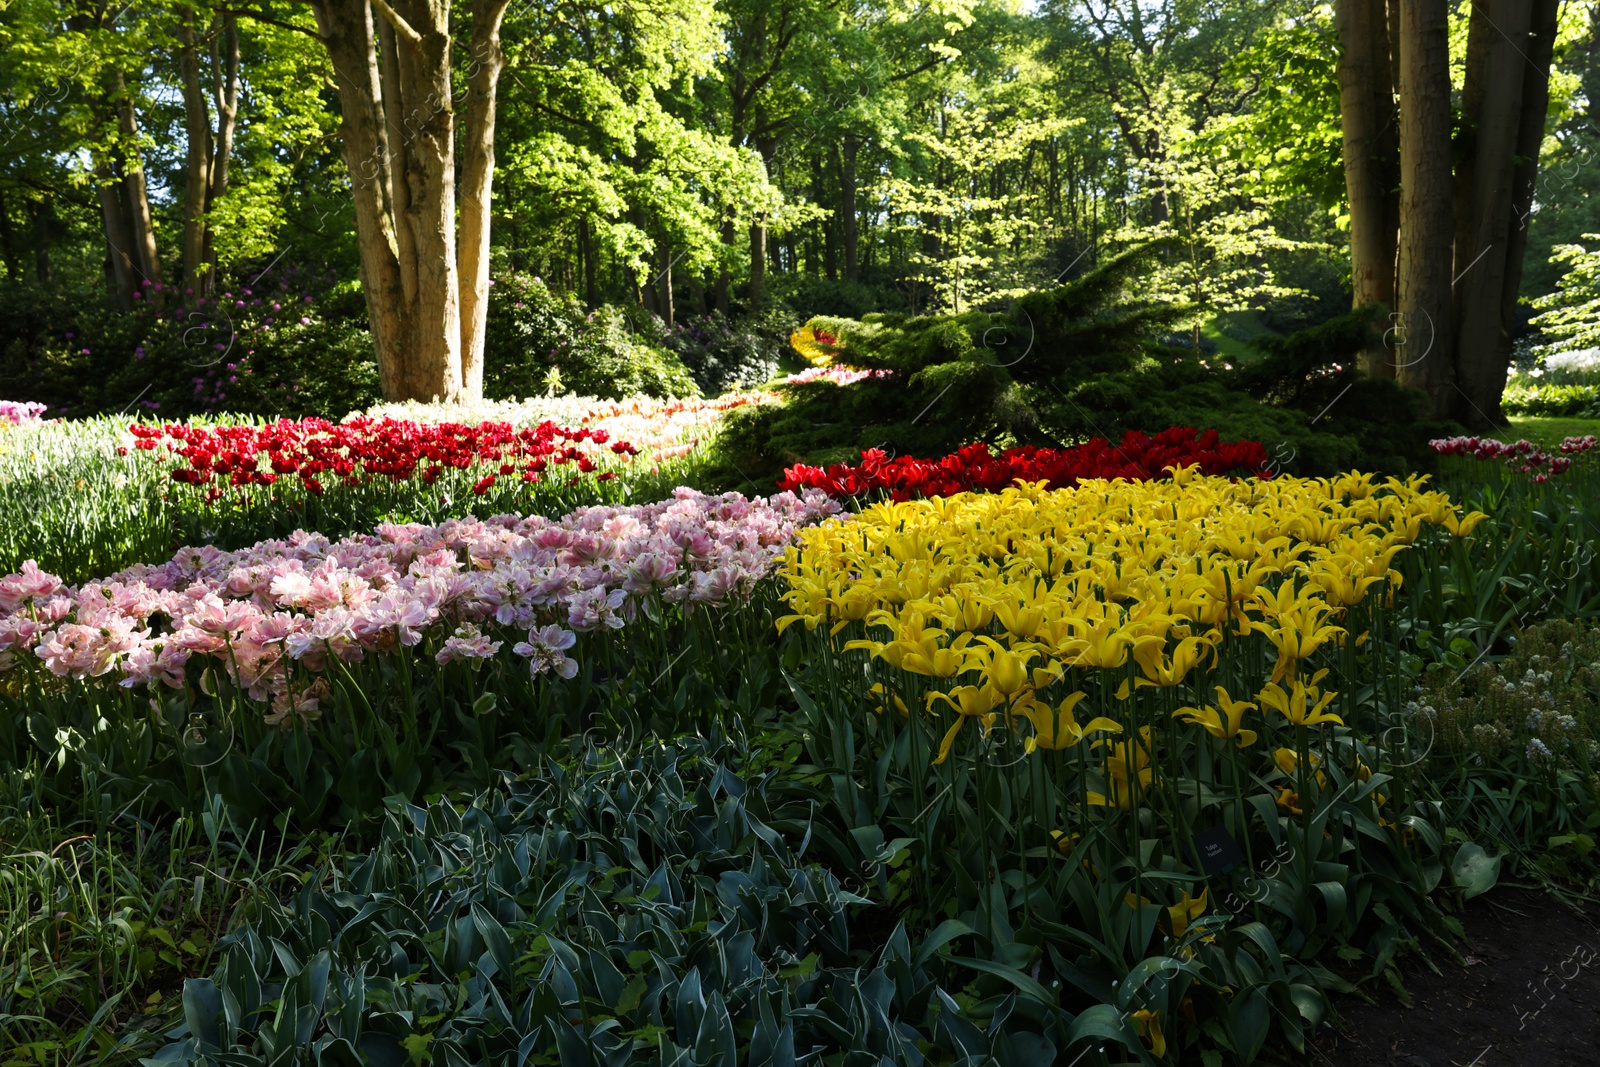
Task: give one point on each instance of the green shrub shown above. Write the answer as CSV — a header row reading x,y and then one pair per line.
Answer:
x,y
1074,362
291,343
1551,400
541,341
721,353
809,294
1304,400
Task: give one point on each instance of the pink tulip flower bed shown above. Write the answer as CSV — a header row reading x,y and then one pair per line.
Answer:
x,y
279,617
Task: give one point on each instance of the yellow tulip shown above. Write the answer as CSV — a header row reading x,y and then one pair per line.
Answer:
x,y
1302,705
878,691
1004,669
1222,724
1186,911
938,662
1149,1026
969,701
1127,771
1058,728
1160,671
1463,526
1287,760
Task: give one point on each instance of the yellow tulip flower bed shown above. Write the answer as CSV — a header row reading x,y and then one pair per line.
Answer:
x,y
1067,688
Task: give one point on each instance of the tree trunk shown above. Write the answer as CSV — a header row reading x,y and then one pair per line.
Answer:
x,y
1371,162
666,282
197,278
225,84
477,186
398,133
586,242
121,271
141,228
1426,216
724,286
758,261
41,240
847,208
1530,135
8,245
1493,99
347,31
430,178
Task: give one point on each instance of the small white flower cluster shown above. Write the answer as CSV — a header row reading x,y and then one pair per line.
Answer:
x,y
1420,709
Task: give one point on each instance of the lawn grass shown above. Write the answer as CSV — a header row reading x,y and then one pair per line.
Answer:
x,y
1549,432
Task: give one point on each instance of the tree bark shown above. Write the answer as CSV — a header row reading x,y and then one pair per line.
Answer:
x,y
8,246
758,261
398,133
197,277
225,85
586,242
1493,98
665,279
1530,135
1371,162
477,186
1427,218
724,286
41,240
121,270
347,31
141,228
847,207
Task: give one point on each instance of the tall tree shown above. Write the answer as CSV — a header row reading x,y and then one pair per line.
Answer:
x,y
1461,229
1371,160
399,136
207,152
1427,217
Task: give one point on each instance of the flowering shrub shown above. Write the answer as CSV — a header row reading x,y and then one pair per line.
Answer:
x,y
1524,456
22,413
1138,457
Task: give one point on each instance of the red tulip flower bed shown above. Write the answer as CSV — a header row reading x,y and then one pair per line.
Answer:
x,y
1524,456
1139,457
362,449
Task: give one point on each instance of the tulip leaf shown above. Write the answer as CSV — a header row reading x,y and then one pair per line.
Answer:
x,y
1473,870
942,935
1024,984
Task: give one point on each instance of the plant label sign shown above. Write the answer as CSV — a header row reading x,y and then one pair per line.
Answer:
x,y
1214,851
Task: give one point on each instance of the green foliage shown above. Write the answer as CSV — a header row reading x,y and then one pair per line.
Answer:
x,y
1521,736
102,923
1551,401
1569,318
539,341
292,344
1303,400
810,295
950,379
724,354
649,907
